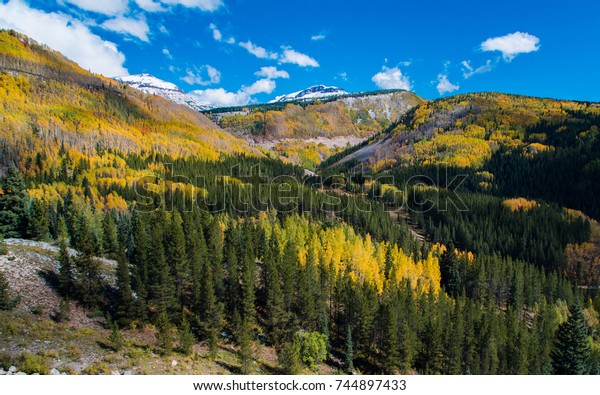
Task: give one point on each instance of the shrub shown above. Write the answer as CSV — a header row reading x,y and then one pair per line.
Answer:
x,y
31,363
38,309
116,338
6,301
312,347
7,360
73,352
96,368
64,311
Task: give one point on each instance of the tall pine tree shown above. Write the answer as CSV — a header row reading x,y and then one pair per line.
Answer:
x,y
571,348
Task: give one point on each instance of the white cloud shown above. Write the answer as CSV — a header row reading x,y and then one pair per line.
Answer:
x,y
216,32
391,78
150,5
257,51
163,29
300,59
469,71
111,8
444,85
318,37
264,85
512,44
221,98
167,53
137,28
204,5
271,72
213,74
65,34
195,77
218,36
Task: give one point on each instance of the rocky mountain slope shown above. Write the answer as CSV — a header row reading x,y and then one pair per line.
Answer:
x,y
307,132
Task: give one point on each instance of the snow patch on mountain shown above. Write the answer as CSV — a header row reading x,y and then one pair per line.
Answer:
x,y
312,93
155,86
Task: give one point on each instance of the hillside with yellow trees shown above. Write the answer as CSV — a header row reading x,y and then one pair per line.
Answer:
x,y
48,101
513,145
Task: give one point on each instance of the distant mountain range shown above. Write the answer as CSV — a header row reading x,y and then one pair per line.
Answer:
x,y
155,86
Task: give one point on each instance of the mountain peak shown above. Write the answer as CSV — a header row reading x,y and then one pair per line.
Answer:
x,y
155,86
148,83
311,93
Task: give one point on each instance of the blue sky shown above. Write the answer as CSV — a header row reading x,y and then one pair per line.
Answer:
x,y
240,51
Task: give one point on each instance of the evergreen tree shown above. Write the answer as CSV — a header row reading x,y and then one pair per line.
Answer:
x,y
195,245
449,265
110,244
186,337
308,283
289,358
248,323
126,302
88,267
288,273
571,348
431,356
13,204
276,315
349,352
66,277
177,257
38,223
244,339
211,310
164,334
215,241
516,298
234,293
248,294
161,285
390,346
140,261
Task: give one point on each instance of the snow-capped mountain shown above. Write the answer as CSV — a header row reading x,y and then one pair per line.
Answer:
x,y
149,84
314,92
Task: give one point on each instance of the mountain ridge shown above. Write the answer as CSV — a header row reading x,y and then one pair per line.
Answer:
x,y
311,93
150,84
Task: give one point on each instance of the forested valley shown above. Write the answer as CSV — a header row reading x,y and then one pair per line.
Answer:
x,y
231,248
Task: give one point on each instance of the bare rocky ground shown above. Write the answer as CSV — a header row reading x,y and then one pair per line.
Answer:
x,y
80,345
331,142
